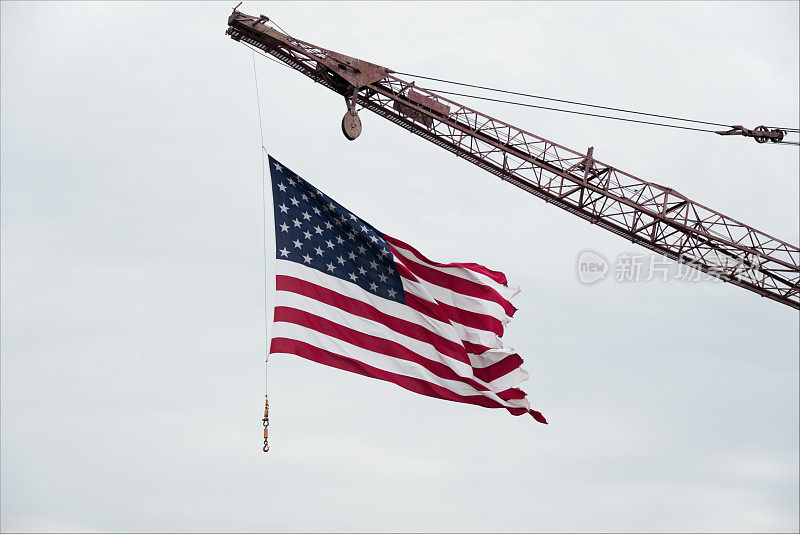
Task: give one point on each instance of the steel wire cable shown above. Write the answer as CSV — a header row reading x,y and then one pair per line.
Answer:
x,y
574,102
264,163
572,111
564,101
597,115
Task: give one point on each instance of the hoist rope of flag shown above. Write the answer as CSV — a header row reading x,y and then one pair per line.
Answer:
x,y
350,297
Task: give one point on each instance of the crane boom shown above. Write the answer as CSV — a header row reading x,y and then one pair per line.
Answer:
x,y
651,215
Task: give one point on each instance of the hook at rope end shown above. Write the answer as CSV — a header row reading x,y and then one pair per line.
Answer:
x,y
265,420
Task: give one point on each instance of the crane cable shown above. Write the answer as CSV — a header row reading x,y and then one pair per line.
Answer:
x,y
564,101
579,112
560,100
607,116
621,110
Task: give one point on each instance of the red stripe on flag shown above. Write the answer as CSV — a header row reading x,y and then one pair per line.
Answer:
x,y
474,348
512,393
426,307
445,312
497,276
315,354
477,350
498,369
403,271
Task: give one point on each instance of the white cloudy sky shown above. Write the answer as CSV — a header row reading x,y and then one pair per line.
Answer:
x,y
132,281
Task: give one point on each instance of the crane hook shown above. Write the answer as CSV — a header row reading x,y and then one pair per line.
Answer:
x,y
265,420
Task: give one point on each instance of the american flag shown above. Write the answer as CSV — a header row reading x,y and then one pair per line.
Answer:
x,y
354,298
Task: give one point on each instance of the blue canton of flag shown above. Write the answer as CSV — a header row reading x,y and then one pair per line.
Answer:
x,y
315,230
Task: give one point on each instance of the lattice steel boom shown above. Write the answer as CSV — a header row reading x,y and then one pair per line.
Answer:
x,y
656,217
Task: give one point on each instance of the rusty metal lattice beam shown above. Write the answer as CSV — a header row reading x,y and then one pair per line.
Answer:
x,y
651,215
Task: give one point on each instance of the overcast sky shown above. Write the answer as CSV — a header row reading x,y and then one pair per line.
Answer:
x,y
132,275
